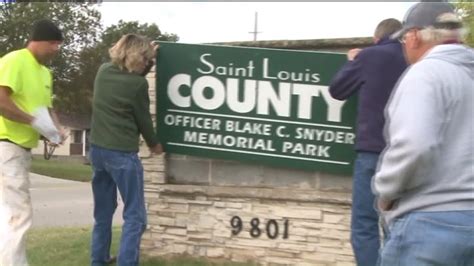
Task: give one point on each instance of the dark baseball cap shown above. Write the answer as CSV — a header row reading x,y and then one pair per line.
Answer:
x,y
425,14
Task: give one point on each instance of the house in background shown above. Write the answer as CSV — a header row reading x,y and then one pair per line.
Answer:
x,y
77,128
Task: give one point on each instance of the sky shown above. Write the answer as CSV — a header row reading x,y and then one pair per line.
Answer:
x,y
207,22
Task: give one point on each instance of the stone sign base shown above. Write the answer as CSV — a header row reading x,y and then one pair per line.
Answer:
x,y
267,226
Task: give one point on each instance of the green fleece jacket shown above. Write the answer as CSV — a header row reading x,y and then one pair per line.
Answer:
x,y
120,110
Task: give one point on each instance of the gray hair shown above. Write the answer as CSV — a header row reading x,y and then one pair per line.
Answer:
x,y
440,35
132,52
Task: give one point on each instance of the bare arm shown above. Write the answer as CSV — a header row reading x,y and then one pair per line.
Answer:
x,y
9,110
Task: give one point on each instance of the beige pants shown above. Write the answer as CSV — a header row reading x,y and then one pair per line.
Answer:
x,y
15,204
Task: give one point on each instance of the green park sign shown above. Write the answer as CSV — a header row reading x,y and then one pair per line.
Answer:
x,y
264,106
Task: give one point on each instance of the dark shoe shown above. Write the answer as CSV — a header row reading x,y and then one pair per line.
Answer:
x,y
111,260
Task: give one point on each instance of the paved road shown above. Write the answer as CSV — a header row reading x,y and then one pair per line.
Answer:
x,y
58,202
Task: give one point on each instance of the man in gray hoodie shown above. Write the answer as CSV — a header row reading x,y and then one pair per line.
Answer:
x,y
425,177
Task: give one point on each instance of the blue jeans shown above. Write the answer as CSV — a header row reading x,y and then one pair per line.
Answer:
x,y
430,238
365,238
112,170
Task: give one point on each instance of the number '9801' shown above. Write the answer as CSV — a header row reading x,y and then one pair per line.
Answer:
x,y
271,227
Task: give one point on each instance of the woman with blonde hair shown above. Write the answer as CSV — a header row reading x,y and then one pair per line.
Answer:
x,y
120,113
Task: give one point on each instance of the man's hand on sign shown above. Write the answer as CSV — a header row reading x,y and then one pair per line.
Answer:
x,y
353,53
157,149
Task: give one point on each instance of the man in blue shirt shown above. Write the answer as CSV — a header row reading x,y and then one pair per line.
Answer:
x,y
371,73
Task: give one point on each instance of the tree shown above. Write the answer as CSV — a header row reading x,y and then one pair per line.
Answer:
x,y
113,33
466,10
92,57
80,23
84,49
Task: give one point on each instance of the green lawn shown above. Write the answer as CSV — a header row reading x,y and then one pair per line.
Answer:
x,y
70,247
61,169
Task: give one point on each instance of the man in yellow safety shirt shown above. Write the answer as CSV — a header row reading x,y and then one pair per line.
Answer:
x,y
25,106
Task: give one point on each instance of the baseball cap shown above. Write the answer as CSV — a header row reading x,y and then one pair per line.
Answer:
x,y
425,14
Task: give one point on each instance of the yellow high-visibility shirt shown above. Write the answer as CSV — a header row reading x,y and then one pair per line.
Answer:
x,y
31,85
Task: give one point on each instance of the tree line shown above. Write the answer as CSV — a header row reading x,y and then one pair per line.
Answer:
x,y
85,46
86,42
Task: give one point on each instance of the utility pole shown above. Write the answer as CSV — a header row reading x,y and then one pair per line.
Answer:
x,y
255,32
